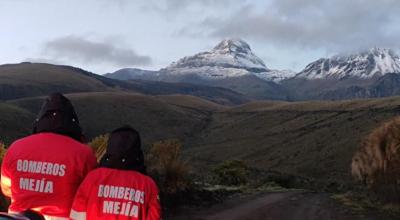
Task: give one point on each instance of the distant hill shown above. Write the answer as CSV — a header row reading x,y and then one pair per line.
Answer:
x,y
212,93
130,73
15,122
36,79
27,79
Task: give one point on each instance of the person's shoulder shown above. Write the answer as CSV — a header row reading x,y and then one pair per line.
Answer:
x,y
148,180
24,141
94,173
86,148
82,148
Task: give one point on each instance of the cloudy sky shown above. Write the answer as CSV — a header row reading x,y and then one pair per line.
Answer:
x,y
105,35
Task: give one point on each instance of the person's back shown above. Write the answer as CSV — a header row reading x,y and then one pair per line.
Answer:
x,y
118,189
116,194
45,170
42,172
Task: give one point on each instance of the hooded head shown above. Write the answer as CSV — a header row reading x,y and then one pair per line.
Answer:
x,y
57,115
124,151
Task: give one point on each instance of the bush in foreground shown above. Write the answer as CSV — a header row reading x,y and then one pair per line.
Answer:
x,y
163,163
167,167
99,145
231,173
377,161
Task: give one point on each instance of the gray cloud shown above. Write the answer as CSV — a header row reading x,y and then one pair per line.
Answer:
x,y
173,8
82,50
339,25
179,4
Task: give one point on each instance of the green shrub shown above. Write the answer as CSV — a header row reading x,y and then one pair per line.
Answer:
x,y
231,173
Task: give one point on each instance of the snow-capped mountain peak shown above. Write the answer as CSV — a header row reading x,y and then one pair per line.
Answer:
x,y
233,46
229,58
229,54
367,64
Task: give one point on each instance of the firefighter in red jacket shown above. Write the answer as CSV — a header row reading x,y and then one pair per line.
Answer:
x,y
42,172
119,188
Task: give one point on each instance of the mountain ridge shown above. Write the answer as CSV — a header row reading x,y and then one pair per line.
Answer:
x,y
37,79
374,62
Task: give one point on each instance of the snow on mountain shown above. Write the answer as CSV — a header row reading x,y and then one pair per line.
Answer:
x,y
276,75
230,58
367,64
229,53
130,73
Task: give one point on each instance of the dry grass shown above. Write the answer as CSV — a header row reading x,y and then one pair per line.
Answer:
x,y
99,145
362,204
377,162
165,164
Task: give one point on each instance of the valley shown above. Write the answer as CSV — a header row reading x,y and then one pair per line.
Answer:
x,y
313,139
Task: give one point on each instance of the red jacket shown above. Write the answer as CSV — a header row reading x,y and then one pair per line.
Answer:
x,y
116,194
43,171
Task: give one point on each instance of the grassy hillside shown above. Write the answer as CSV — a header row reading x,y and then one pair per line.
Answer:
x,y
314,139
26,79
155,117
15,122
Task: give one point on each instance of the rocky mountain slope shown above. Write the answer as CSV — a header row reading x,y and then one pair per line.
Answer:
x,y
368,64
368,74
232,64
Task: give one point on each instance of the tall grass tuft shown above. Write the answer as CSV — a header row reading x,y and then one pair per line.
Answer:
x,y
167,167
99,145
377,162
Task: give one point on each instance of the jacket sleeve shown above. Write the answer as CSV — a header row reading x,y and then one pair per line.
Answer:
x,y
154,208
5,176
79,205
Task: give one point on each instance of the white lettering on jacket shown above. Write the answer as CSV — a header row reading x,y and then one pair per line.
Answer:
x,y
120,192
47,168
120,208
35,185
129,197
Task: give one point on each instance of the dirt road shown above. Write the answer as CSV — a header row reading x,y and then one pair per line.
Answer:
x,y
281,206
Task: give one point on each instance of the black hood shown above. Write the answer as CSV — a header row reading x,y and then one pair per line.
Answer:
x,y
124,151
57,115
